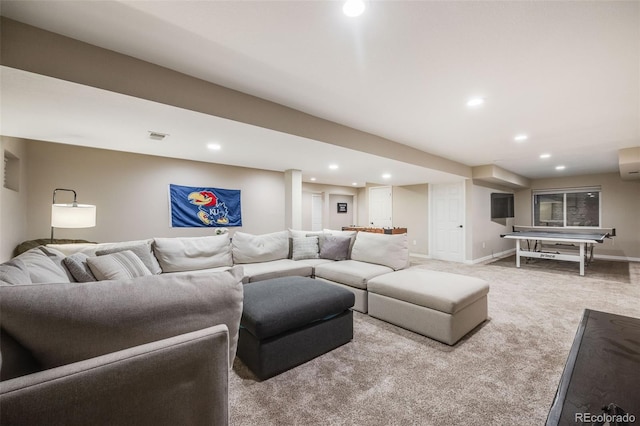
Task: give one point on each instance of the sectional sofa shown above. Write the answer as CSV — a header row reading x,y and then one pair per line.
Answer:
x,y
77,316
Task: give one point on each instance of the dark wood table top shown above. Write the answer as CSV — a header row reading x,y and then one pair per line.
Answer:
x,y
603,367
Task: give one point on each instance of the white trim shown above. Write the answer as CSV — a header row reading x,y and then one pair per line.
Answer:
x,y
420,255
616,258
492,256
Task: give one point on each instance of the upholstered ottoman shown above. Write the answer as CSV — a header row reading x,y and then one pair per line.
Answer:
x,y
290,320
438,305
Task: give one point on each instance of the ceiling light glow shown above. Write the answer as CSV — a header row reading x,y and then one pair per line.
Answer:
x,y
560,167
521,138
214,146
544,156
333,166
475,102
312,179
353,8
386,176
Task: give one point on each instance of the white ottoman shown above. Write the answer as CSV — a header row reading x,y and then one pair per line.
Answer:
x,y
438,305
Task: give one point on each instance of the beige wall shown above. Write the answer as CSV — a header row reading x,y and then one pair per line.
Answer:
x,y
13,204
410,210
131,192
620,209
483,233
331,194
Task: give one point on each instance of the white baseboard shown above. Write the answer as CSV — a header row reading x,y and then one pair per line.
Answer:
x,y
420,255
616,258
492,256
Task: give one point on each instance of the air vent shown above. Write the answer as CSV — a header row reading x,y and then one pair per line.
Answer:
x,y
629,163
157,136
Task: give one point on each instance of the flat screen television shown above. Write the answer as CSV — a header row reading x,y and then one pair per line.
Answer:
x,y
501,205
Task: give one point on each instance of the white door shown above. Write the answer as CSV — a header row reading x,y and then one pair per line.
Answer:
x,y
380,207
316,212
447,221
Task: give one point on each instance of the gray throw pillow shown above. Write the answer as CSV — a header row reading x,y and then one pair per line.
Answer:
x,y
117,266
14,272
335,247
79,268
305,248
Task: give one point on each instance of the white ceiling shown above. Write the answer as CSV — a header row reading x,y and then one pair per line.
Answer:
x,y
565,73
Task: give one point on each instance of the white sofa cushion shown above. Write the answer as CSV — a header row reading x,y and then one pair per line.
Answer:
x,y
249,248
193,253
350,272
382,249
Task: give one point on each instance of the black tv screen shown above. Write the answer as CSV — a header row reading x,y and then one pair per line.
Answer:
x,y
501,205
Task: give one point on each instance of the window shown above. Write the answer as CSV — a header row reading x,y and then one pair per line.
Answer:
x,y
567,207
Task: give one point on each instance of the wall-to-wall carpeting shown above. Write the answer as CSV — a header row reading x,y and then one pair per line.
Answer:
x,y
504,373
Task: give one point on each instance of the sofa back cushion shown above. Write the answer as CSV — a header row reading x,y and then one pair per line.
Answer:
x,y
63,323
14,272
41,268
193,253
248,248
382,249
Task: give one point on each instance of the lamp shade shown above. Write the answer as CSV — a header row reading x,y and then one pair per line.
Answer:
x,y
73,215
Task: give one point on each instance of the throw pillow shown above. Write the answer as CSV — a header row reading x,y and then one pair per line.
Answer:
x,y
350,234
116,266
193,253
14,272
79,268
335,247
58,258
305,248
142,249
248,248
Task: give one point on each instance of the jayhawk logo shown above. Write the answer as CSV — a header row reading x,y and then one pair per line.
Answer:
x,y
210,210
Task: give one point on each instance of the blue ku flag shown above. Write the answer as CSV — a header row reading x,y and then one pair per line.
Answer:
x,y
204,207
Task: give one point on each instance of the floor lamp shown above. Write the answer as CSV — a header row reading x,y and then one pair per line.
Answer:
x,y
72,215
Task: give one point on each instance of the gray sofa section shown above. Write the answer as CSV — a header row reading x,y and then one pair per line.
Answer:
x,y
115,352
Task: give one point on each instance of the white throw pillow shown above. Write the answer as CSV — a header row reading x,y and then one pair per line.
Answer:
x,y
248,248
305,248
382,249
193,253
117,266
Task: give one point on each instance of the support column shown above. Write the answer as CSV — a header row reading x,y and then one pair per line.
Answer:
x,y
293,199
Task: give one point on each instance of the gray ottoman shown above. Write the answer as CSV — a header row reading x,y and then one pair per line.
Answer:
x,y
291,320
438,305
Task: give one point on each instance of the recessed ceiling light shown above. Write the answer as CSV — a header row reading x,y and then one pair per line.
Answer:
x,y
353,8
560,167
475,102
386,176
543,156
312,179
333,166
520,138
355,184
214,146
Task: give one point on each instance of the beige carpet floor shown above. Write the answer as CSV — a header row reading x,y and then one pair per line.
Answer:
x,y
503,373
